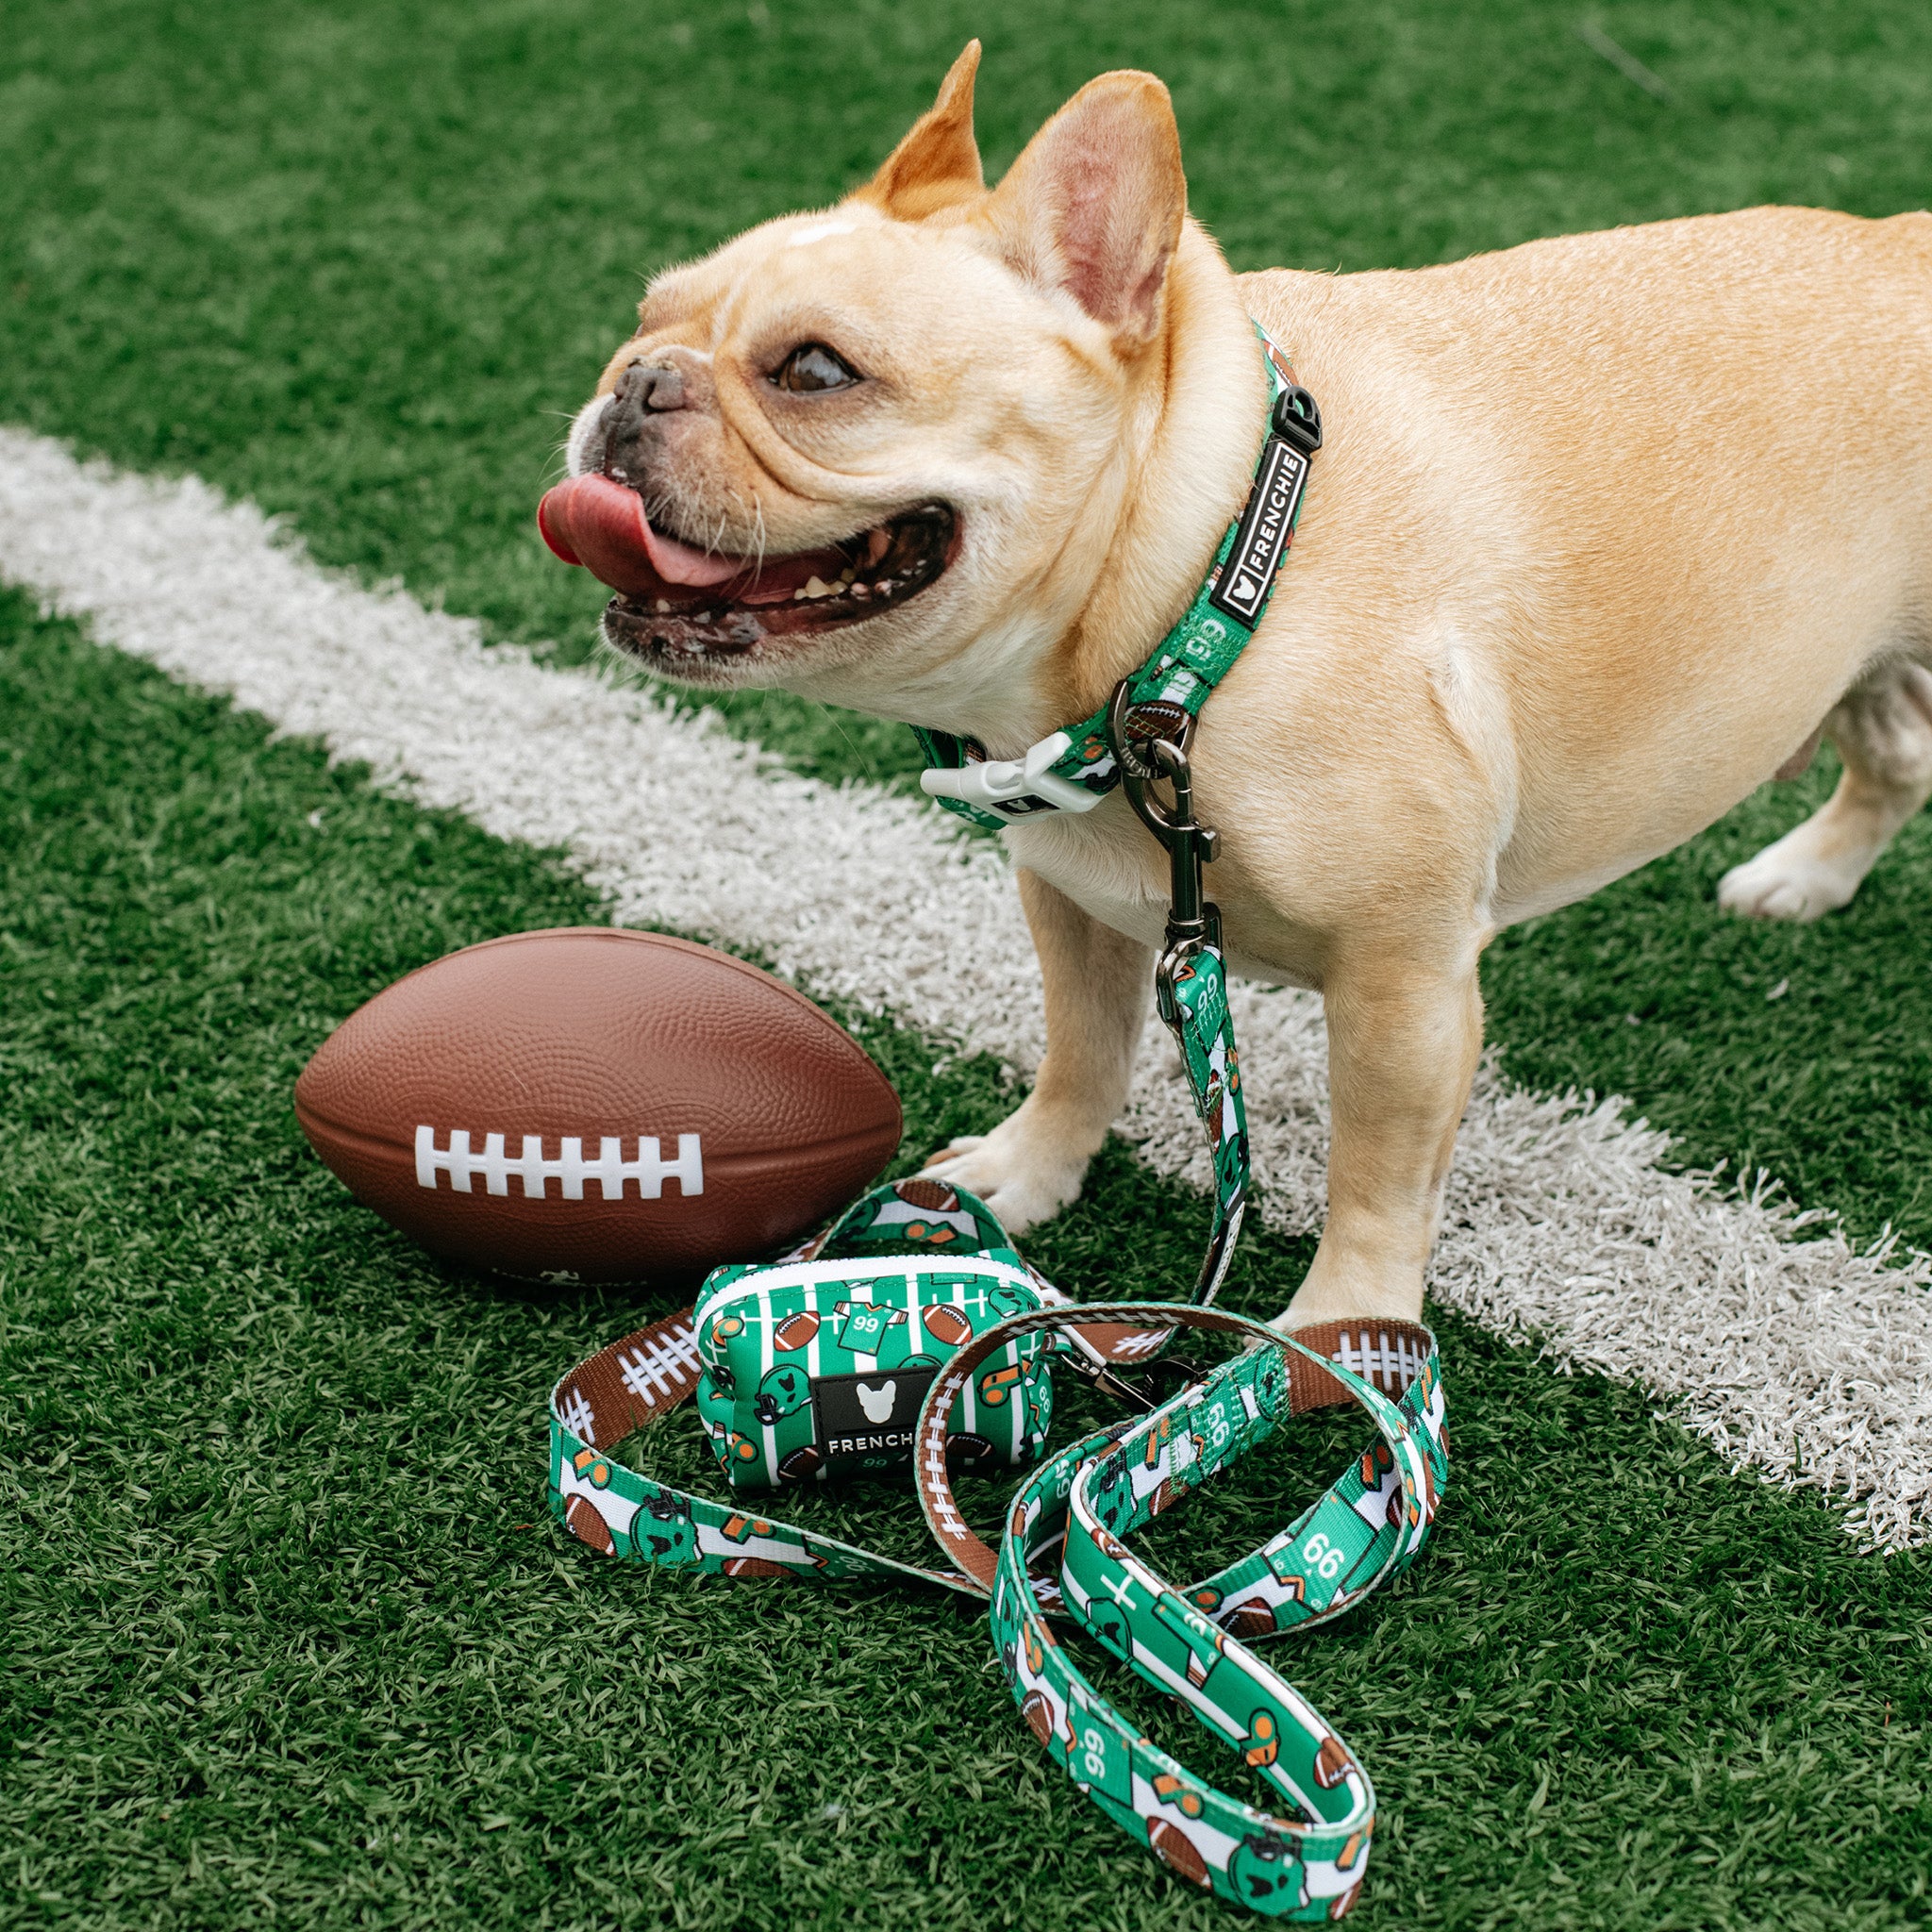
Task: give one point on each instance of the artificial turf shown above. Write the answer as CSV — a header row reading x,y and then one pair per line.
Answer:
x,y
290,1636
294,1641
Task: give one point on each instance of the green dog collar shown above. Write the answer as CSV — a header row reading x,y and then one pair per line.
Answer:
x,y
1075,768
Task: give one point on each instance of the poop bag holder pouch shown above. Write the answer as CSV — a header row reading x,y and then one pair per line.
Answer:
x,y
815,1369
812,1368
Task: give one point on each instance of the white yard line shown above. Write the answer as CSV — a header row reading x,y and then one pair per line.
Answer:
x,y
1791,1354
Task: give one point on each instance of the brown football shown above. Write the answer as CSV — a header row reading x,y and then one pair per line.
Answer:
x,y
796,1331
1038,1715
595,1105
584,1524
1177,1851
945,1324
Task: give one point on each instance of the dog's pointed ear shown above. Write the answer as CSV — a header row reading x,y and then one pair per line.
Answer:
x,y
1095,206
938,162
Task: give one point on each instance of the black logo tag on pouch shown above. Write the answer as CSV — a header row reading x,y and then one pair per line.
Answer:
x,y
868,1420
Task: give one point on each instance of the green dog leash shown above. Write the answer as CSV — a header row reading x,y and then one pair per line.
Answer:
x,y
1062,1557
1061,1554
1141,737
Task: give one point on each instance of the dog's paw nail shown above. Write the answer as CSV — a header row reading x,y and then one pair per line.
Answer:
x,y
952,1151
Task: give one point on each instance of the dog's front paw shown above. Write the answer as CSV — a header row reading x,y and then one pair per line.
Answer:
x,y
1785,881
1017,1169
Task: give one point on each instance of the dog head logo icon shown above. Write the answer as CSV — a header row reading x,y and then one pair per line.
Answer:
x,y
877,1403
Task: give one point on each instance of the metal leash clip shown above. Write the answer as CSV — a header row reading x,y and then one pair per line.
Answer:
x,y
1147,755
1147,1385
1149,742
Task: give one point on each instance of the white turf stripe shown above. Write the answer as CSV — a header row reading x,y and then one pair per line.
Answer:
x,y
1791,1354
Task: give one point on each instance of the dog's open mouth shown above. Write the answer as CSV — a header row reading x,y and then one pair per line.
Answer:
x,y
676,602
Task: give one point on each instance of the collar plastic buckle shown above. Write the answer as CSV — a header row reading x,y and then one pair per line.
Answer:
x,y
1014,788
1297,419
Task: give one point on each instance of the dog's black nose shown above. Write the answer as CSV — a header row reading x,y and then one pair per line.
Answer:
x,y
645,389
655,385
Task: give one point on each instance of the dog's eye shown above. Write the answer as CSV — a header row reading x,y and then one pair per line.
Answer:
x,y
812,366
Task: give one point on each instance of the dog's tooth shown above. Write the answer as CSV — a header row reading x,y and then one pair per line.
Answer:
x,y
663,604
817,586
846,574
862,592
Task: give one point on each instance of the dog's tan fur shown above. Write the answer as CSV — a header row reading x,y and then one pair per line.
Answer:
x,y
1603,528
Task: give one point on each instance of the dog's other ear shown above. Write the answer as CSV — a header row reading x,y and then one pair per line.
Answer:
x,y
938,163
1095,205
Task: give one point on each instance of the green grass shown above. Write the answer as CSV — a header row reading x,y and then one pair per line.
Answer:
x,y
1804,1051
289,1637
291,1641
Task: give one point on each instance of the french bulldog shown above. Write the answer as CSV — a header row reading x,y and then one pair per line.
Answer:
x,y
1607,530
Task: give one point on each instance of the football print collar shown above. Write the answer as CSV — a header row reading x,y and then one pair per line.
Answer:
x,y
1075,768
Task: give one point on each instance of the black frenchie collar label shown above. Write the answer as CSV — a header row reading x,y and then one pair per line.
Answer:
x,y
1261,540
867,1420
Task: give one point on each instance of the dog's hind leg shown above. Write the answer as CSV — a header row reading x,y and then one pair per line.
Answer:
x,y
1883,730
1096,983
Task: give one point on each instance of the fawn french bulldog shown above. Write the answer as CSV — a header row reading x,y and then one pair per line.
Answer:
x,y
1607,530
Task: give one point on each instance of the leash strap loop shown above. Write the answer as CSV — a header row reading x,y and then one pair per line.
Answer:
x,y
618,1511
1306,1862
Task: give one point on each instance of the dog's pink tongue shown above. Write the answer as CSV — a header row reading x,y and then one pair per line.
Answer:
x,y
602,525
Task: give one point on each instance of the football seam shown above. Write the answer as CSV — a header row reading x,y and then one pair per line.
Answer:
x,y
308,1118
